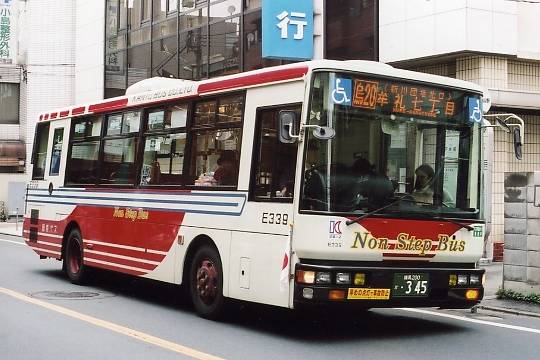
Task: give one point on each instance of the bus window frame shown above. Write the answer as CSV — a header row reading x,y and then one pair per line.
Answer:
x,y
209,128
145,133
256,151
39,126
71,141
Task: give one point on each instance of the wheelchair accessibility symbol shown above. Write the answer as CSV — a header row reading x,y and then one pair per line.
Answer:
x,y
341,91
475,110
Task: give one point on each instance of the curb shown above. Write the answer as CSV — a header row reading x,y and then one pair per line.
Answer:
x,y
9,234
507,310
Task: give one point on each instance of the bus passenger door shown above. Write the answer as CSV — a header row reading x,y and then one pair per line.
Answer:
x,y
257,253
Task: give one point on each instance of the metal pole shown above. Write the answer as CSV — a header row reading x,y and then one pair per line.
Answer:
x,y
17,221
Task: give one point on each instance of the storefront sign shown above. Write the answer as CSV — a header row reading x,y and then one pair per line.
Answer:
x,y
287,29
8,41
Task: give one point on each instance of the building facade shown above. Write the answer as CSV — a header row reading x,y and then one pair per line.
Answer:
x,y
12,109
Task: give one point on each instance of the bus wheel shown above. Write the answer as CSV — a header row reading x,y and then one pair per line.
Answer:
x,y
73,261
206,283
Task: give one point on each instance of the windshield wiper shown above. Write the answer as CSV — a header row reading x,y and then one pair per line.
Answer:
x,y
368,214
405,198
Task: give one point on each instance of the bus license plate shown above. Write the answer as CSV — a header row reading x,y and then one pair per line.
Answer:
x,y
410,285
368,294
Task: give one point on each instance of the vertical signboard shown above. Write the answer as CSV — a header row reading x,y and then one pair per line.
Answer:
x,y
287,29
8,24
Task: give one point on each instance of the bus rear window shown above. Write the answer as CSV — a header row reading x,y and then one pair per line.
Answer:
x,y
40,151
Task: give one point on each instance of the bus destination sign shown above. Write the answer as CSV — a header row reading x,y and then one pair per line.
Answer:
x,y
394,97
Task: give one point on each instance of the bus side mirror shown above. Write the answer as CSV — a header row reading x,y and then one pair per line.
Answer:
x,y
518,151
288,129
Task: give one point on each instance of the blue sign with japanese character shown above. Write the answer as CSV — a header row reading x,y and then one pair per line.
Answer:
x,y
287,29
475,110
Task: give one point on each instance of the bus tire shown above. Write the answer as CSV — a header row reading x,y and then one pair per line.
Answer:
x,y
206,283
73,261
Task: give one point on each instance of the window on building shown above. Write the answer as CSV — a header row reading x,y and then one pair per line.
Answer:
x,y
274,162
164,146
115,74
224,47
350,29
83,157
215,141
9,103
193,54
165,57
139,63
253,43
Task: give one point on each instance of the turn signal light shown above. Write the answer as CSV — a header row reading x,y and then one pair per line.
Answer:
x,y
336,295
452,281
472,294
305,277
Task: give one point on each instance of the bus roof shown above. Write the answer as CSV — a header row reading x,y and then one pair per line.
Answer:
x,y
151,92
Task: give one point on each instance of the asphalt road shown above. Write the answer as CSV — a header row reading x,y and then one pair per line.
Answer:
x,y
43,316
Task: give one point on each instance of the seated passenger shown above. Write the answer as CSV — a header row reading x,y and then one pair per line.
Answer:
x,y
424,186
227,170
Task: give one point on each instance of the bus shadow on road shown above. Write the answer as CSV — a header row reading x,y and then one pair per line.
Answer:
x,y
309,325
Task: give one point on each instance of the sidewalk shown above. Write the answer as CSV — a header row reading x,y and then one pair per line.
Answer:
x,y
490,302
11,228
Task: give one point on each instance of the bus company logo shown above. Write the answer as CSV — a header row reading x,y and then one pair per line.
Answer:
x,y
334,232
408,243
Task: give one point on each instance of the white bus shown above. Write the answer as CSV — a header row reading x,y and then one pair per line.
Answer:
x,y
319,183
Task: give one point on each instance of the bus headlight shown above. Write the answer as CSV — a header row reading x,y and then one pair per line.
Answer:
x,y
323,278
343,278
462,280
474,279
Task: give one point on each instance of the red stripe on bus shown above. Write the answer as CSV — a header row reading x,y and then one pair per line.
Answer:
x,y
50,239
46,253
114,268
255,79
107,106
141,254
54,115
64,113
46,117
115,260
78,110
40,117
43,246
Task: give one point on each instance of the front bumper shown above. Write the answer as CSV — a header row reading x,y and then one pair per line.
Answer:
x,y
439,292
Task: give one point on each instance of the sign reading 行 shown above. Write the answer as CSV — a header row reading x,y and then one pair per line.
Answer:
x,y
287,29
8,23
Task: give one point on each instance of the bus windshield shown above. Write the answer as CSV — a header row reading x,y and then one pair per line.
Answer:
x,y
393,139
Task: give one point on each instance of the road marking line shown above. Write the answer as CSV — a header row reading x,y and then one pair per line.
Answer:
x,y
13,242
476,321
169,345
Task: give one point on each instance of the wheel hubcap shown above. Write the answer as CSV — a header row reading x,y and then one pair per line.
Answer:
x,y
74,257
207,281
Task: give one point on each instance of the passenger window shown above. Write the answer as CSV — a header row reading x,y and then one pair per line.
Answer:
x,y
83,156
274,161
215,142
40,151
164,146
